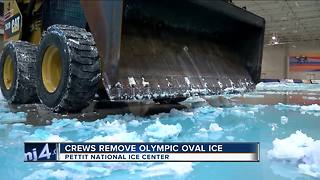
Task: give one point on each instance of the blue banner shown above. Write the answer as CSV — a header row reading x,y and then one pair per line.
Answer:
x,y
144,151
159,147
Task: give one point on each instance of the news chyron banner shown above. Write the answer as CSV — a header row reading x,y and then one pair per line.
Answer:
x,y
141,152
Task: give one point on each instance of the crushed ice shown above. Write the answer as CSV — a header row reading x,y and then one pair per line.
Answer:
x,y
163,131
300,150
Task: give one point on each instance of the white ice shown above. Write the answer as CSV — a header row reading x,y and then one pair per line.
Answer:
x,y
215,127
168,168
119,137
163,131
284,86
284,119
298,149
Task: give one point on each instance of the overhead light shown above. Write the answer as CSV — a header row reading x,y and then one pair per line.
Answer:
x,y
274,39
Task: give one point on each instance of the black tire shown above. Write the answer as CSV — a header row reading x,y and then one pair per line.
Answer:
x,y
80,73
22,84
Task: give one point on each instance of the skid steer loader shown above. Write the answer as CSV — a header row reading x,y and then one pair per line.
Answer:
x,y
62,52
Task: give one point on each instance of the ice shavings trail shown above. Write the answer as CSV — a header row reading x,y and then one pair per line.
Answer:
x,y
299,149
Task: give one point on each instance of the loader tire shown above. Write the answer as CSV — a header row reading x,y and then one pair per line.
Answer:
x,y
68,68
17,72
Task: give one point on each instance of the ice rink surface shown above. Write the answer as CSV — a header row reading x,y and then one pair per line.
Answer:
x,y
286,122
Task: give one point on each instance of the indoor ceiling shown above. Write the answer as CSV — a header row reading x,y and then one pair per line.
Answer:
x,y
289,20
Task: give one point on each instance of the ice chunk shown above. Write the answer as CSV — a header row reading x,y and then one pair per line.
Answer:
x,y
299,149
274,126
18,133
175,112
163,131
40,174
286,171
311,170
118,137
313,107
60,174
310,98
98,171
47,164
230,138
237,111
291,148
110,127
257,108
215,127
10,118
281,107
168,168
203,133
3,126
134,123
51,174
60,125
55,138
284,119
43,135
132,82
194,102
284,86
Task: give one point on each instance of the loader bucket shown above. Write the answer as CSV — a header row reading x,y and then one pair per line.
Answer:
x,y
153,49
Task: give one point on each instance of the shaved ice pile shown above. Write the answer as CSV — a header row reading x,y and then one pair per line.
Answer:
x,y
300,150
